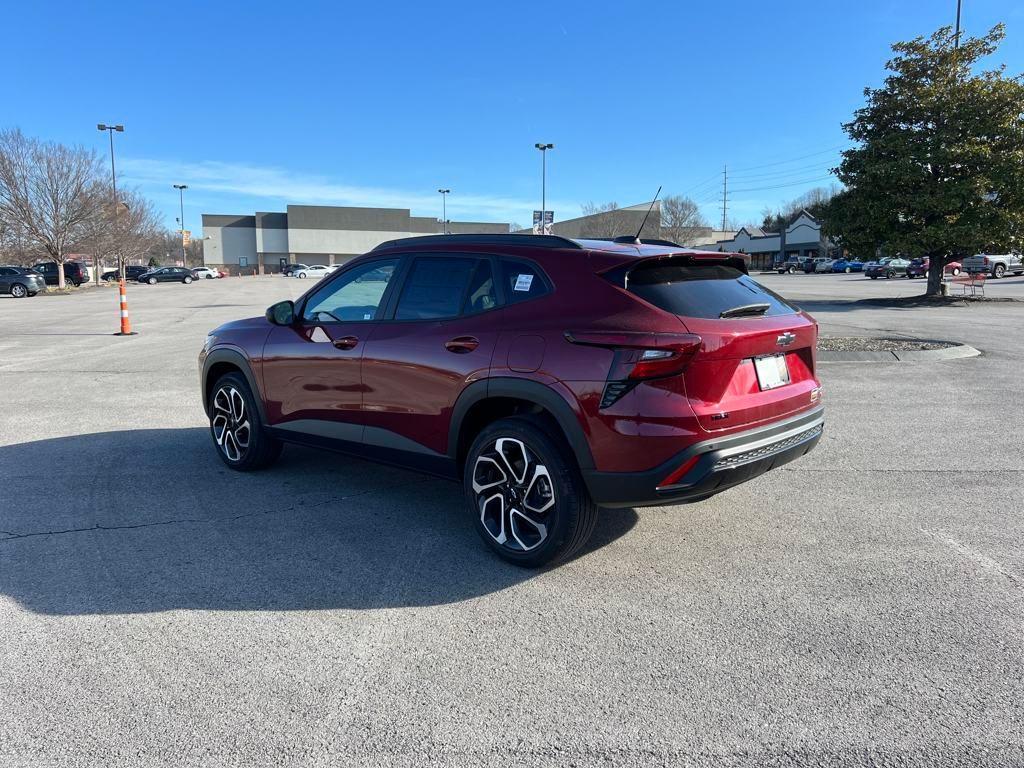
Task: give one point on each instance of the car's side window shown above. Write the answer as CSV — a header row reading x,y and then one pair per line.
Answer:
x,y
435,288
354,296
481,295
521,281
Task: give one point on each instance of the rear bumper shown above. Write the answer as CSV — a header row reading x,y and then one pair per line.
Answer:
x,y
720,463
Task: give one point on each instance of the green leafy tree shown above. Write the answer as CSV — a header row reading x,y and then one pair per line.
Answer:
x,y
939,166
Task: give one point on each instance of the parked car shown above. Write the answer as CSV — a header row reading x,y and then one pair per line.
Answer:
x,y
131,272
314,270
811,265
548,375
289,269
206,273
74,273
824,265
20,282
995,265
789,266
919,268
888,267
847,265
166,275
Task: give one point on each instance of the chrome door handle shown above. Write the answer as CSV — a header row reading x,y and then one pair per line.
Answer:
x,y
460,345
345,342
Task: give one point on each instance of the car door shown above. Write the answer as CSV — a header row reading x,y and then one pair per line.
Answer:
x,y
438,337
6,279
311,369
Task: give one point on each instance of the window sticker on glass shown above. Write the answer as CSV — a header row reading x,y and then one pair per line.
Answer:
x,y
367,316
523,282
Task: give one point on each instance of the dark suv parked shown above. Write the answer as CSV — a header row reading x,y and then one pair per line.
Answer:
x,y
74,273
550,375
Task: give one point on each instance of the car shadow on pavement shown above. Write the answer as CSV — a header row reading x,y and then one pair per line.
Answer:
x,y
151,520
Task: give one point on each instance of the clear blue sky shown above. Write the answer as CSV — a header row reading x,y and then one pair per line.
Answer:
x,y
255,105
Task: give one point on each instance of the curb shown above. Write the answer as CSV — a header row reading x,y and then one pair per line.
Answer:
x,y
957,352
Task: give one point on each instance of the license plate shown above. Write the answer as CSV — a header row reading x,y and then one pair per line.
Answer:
x,y
771,371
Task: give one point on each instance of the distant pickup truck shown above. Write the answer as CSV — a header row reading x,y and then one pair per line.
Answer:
x,y
995,265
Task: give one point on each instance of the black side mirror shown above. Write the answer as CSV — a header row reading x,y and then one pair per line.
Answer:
x,y
282,313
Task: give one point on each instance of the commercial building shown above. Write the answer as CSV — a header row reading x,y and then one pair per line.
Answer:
x,y
314,234
802,237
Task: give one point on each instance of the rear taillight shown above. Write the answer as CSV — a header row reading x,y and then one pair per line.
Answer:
x,y
986,260
639,356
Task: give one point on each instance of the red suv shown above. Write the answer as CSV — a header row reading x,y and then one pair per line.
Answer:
x,y
551,376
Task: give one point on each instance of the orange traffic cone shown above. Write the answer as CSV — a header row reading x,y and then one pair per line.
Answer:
x,y
126,323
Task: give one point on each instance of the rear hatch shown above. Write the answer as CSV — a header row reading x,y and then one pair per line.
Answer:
x,y
757,358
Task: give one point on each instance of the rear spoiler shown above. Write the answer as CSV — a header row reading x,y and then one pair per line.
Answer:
x,y
737,261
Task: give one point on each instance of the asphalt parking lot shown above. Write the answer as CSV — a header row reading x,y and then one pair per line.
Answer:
x,y
859,607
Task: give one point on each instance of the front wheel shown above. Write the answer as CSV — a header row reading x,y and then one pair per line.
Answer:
x,y
847,270
998,271
152,281
955,272
302,275
187,280
19,291
241,440
527,498
890,275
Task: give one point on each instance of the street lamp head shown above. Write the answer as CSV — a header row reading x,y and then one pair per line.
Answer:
x,y
100,127
444,191
181,186
119,128
543,147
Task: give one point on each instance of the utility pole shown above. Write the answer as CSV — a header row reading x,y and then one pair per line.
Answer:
x,y
181,222
725,195
956,37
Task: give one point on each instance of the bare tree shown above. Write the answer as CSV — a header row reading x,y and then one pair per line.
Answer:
x,y
682,221
47,191
606,220
125,234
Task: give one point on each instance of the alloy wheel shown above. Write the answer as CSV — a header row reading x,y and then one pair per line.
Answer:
x,y
515,495
230,423
18,291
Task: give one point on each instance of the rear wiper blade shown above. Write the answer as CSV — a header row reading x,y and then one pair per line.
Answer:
x,y
746,309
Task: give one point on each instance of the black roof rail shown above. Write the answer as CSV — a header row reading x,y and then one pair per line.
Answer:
x,y
533,241
631,240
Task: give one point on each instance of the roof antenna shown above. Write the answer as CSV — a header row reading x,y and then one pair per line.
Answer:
x,y
637,240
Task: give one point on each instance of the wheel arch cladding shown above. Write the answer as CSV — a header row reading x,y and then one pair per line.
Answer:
x,y
485,401
223,361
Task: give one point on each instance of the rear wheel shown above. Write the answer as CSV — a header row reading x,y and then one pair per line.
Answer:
x,y
19,291
889,275
847,270
241,440
526,496
187,280
998,271
955,271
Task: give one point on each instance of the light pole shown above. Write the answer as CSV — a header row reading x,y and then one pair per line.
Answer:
x,y
444,209
956,38
113,178
181,222
543,183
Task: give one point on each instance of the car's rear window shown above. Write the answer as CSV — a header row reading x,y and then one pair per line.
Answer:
x,y
702,290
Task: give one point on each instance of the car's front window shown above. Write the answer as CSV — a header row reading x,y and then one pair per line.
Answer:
x,y
355,296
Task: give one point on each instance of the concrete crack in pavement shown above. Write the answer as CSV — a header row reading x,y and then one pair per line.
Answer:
x,y
12,536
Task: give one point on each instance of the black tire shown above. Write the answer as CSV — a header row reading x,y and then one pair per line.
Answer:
x,y
998,271
151,281
230,422
187,279
847,270
18,291
792,271
566,513
956,272
889,275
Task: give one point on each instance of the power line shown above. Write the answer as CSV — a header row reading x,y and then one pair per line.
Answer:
x,y
781,172
792,159
780,186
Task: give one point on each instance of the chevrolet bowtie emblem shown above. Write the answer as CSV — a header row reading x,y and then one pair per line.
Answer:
x,y
786,339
